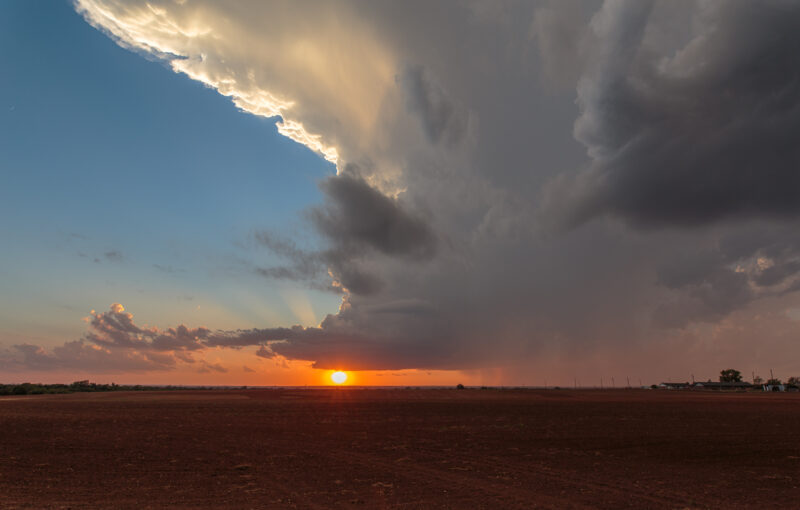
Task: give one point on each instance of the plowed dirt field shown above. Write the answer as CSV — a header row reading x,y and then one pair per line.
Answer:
x,y
363,448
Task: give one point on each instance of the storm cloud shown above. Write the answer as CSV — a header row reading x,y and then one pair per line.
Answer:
x,y
518,185
356,220
695,133
359,217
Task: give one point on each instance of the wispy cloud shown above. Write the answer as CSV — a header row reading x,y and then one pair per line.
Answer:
x,y
114,256
168,269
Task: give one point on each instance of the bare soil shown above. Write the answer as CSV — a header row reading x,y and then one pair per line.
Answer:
x,y
360,448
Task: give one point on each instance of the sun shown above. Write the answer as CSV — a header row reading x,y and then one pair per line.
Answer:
x,y
339,377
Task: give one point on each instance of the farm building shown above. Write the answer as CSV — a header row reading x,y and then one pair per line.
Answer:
x,y
674,385
719,386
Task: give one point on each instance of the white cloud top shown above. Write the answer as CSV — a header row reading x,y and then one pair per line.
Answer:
x,y
273,60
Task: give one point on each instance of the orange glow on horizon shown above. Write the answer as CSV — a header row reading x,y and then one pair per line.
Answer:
x,y
246,369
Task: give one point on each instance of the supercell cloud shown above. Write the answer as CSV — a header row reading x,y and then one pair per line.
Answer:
x,y
517,184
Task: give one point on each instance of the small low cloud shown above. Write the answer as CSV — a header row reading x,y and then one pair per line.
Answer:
x,y
263,352
113,256
115,328
306,266
114,343
207,368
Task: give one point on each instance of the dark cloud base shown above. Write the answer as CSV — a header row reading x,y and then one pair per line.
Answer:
x,y
708,134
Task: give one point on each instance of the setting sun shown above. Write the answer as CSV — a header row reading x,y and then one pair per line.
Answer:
x,y
339,377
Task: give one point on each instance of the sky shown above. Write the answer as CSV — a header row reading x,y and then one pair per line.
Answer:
x,y
504,193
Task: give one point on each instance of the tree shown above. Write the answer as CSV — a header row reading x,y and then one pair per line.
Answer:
x,y
794,381
774,382
730,375
758,380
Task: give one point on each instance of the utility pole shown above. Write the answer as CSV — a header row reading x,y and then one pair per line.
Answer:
x,y
629,381
601,382
692,378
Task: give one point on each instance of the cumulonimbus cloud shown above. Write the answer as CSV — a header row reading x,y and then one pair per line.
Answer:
x,y
673,182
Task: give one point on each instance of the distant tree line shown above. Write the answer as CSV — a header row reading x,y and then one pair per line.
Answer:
x,y
731,375
76,387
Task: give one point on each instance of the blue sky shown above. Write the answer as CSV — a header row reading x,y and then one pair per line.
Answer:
x,y
121,181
